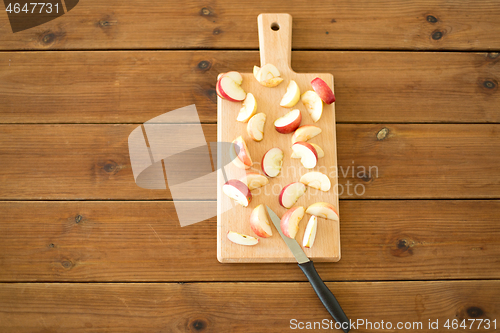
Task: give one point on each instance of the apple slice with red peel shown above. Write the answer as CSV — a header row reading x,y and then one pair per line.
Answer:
x,y
238,191
235,76
272,162
323,90
289,122
249,108
310,232
316,180
240,154
230,90
290,221
255,127
259,222
304,133
324,210
241,239
319,151
254,180
307,153
291,96
291,193
313,104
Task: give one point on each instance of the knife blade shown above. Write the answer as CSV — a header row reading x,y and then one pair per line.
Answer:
x,y
325,295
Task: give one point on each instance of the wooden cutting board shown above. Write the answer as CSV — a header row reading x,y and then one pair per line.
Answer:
x,y
275,48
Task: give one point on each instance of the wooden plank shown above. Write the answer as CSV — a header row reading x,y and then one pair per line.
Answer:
x,y
242,307
74,162
142,241
276,49
155,24
133,87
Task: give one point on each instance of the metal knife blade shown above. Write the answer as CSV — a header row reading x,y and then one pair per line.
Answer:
x,y
292,244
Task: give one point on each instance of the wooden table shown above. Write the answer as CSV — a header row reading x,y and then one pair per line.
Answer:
x,y
83,249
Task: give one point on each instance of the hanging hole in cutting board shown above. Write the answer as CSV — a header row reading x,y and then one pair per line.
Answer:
x,y
275,26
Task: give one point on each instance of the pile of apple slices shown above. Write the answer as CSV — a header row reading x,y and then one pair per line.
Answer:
x,y
229,88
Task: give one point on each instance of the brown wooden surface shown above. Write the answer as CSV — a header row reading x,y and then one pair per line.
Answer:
x,y
142,241
344,25
133,87
237,307
412,161
429,121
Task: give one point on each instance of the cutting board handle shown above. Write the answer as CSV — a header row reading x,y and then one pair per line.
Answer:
x,y
275,40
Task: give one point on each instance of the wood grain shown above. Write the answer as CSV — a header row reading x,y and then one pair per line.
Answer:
x,y
395,161
133,87
223,24
142,241
238,307
275,48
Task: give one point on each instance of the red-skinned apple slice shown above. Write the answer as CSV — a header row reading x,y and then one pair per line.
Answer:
x,y
289,122
272,162
240,154
304,133
316,180
291,193
259,222
310,232
255,127
291,96
307,153
323,90
324,210
254,180
313,104
290,221
249,108
241,239
231,90
319,151
238,191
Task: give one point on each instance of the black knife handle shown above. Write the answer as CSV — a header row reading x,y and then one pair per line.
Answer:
x,y
325,295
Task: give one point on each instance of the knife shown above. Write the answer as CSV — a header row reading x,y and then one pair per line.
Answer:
x,y
307,266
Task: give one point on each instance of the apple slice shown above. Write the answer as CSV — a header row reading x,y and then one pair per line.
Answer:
x,y
240,154
238,191
249,108
230,89
291,193
268,76
291,96
316,180
320,151
304,133
289,122
310,232
255,127
259,222
235,76
272,162
313,104
254,180
323,90
307,153
256,70
324,210
241,239
290,221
